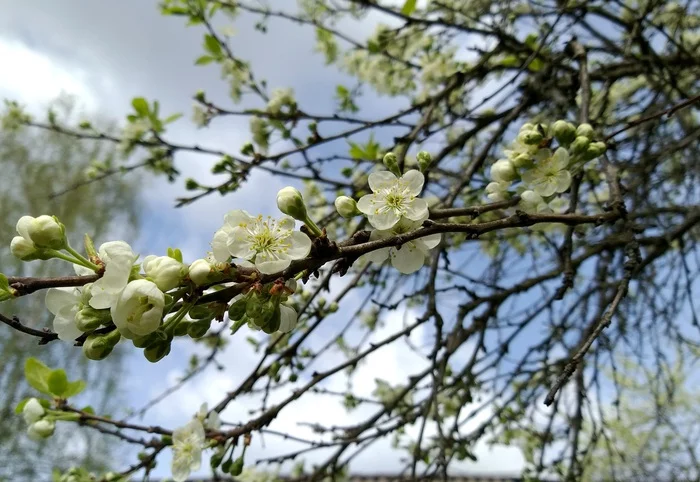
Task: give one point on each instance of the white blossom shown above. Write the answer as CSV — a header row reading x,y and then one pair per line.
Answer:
x,y
549,175
409,257
139,309
531,201
393,198
166,272
346,207
32,411
64,304
210,420
497,191
271,244
23,248
188,443
279,99
118,259
503,170
199,271
41,429
44,231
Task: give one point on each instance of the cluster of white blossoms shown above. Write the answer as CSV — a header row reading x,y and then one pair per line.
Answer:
x,y
538,171
190,440
40,426
394,208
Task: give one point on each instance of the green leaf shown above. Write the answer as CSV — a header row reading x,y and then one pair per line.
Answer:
x,y
74,388
88,409
356,152
4,284
58,382
212,45
37,375
531,41
409,7
204,60
536,65
510,61
140,106
20,405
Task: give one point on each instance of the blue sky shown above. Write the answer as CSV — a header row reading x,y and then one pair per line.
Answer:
x,y
108,52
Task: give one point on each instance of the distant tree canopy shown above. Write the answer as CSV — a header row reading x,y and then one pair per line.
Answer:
x,y
518,179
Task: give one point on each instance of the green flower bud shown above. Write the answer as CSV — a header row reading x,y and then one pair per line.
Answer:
x,y
89,319
346,207
226,466
44,231
216,459
293,377
564,132
237,467
144,341
333,307
182,328
157,351
595,149
580,145
530,138
199,329
98,347
291,203
392,163
523,161
238,309
503,171
424,160
585,130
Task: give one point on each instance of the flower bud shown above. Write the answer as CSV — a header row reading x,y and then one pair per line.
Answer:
x,y
424,160
198,329
98,347
41,429
333,307
32,411
199,271
89,319
144,341
236,467
585,130
392,163
23,249
157,351
182,328
564,132
530,138
523,161
166,272
346,207
503,171
580,145
238,309
44,231
527,127
291,203
595,149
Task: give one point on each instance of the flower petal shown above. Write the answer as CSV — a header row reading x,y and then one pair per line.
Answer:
x,y
300,245
237,217
378,255
381,180
417,210
384,219
428,242
286,223
560,159
65,328
269,264
288,319
367,204
219,245
58,298
239,243
408,259
414,181
563,181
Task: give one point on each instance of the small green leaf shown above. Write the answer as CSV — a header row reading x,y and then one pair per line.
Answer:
x,y
58,382
204,60
4,284
212,45
89,410
37,375
510,61
74,388
531,41
140,106
20,406
356,152
536,65
409,7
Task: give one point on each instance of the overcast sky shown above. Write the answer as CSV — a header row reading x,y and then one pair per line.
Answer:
x,y
107,52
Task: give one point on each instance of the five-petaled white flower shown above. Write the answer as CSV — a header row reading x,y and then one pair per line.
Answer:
x,y
549,175
409,257
188,443
118,259
393,198
270,243
139,309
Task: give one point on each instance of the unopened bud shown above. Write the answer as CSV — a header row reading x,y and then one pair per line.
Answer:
x,y
346,207
157,351
530,138
392,163
580,145
291,203
503,171
585,130
564,132
595,149
424,160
